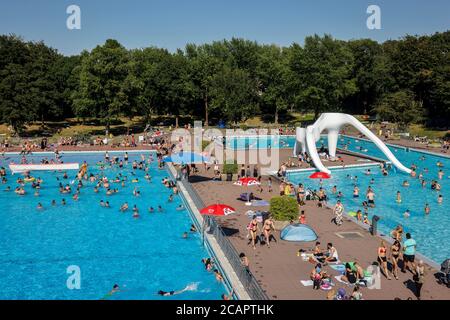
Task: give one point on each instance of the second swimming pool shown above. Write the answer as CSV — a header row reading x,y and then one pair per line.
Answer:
x,y
430,231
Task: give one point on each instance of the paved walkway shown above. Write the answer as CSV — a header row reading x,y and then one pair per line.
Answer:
x,y
279,270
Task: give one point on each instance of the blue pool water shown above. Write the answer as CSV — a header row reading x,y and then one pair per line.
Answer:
x,y
260,142
141,255
431,232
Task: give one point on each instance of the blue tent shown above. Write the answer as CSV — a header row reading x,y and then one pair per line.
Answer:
x,y
298,232
186,158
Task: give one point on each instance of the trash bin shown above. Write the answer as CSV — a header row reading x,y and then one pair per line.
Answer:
x,y
373,229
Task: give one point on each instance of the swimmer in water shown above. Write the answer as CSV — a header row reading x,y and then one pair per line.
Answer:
x,y
191,287
405,183
63,202
427,209
39,206
440,199
229,296
407,214
170,198
399,197
185,235
124,207
180,208
53,202
218,275
115,289
160,209
135,212
151,210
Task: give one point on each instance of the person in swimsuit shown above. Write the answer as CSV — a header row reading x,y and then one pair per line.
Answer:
x,y
399,197
267,228
382,259
350,274
397,233
371,198
395,254
172,293
253,228
355,192
301,194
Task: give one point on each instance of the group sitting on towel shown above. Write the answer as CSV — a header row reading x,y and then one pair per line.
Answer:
x,y
248,197
352,273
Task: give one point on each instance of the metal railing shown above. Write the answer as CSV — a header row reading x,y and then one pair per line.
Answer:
x,y
247,279
212,227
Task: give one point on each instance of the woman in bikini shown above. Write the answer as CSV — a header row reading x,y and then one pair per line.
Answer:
x,y
395,253
267,228
253,228
301,194
382,259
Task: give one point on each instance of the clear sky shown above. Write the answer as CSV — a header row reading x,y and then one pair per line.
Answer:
x,y
173,23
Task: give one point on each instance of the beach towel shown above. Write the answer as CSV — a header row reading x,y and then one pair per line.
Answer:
x,y
306,256
306,283
260,203
338,267
339,278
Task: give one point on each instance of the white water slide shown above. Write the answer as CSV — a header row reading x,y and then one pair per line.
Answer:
x,y
332,122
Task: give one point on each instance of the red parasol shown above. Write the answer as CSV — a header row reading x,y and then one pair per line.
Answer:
x,y
217,210
248,181
320,175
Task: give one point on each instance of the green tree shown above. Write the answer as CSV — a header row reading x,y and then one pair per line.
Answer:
x,y
400,107
323,74
272,79
102,87
233,94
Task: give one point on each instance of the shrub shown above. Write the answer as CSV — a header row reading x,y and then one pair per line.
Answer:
x,y
230,168
283,208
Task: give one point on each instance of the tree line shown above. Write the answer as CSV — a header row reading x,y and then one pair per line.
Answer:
x,y
405,80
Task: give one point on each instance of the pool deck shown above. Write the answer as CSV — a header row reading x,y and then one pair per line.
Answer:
x,y
279,270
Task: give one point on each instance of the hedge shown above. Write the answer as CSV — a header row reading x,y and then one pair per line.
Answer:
x,y
283,208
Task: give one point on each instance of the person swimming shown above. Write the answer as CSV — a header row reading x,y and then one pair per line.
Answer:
x,y
427,209
124,207
114,290
180,208
407,213
190,287
399,197
135,212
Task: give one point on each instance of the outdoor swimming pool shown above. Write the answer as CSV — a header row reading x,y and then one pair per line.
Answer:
x,y
431,232
260,142
141,255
